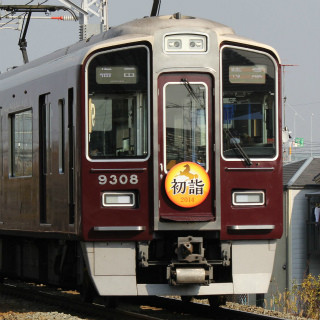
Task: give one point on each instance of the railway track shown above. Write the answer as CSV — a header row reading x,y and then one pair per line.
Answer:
x,y
66,302
204,311
149,308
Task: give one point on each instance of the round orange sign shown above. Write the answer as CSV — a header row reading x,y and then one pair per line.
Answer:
x,y
187,184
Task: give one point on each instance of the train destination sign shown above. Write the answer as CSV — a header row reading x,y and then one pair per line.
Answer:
x,y
116,75
187,184
255,74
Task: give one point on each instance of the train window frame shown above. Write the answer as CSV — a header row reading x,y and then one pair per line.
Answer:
x,y
147,108
164,106
13,172
263,52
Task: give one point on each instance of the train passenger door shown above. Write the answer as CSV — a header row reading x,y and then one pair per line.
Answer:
x,y
56,160
71,198
186,156
45,147
1,166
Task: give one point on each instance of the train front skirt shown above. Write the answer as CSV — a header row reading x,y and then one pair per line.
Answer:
x,y
112,267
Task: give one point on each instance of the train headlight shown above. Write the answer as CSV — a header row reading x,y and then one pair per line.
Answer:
x,y
248,198
185,43
118,199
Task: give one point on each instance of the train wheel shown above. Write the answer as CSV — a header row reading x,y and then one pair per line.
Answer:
x,y
186,298
216,301
87,294
87,291
110,302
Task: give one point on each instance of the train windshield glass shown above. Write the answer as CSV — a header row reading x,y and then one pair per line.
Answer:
x,y
117,105
186,123
249,104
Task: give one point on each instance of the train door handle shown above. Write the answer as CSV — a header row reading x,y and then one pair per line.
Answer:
x,y
161,170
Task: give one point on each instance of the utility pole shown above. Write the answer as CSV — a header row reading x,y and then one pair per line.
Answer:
x,y
311,118
99,10
287,145
283,91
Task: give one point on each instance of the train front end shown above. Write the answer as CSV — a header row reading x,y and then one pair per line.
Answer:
x,y
181,168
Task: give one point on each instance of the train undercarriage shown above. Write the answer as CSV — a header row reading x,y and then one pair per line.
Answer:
x,y
186,266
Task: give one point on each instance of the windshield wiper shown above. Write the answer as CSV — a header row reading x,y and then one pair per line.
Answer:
x,y
239,148
191,91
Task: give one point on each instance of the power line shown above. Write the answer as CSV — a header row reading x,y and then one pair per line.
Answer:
x,y
28,10
8,14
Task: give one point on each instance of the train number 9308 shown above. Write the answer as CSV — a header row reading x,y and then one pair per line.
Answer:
x,y
123,179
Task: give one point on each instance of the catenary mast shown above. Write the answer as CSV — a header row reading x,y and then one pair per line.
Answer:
x,y
97,9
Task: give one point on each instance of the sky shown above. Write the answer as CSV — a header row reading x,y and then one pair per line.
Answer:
x,y
292,27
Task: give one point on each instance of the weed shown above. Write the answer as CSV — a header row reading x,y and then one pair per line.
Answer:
x,y
303,300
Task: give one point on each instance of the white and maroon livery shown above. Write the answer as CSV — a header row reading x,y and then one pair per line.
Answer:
x,y
144,161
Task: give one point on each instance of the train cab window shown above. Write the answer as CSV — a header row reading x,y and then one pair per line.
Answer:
x,y
185,123
21,144
249,91
117,104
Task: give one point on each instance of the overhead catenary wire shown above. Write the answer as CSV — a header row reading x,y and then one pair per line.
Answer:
x,y
26,16
21,16
36,8
63,18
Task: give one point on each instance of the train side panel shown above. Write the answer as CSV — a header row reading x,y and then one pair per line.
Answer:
x,y
36,169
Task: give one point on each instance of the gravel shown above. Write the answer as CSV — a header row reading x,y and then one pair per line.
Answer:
x,y
261,311
12,308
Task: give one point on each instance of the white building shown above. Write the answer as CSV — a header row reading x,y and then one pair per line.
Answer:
x,y
298,251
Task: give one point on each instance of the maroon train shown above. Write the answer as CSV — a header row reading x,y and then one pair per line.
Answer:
x,y
144,161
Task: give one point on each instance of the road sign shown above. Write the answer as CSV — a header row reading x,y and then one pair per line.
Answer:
x,y
299,142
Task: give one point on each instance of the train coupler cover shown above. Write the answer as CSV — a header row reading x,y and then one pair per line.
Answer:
x,y
179,274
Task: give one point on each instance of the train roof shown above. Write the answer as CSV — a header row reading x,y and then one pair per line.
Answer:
x,y
132,30
151,25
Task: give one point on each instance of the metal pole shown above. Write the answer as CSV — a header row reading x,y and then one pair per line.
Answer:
x,y
283,90
311,133
155,8
23,42
105,14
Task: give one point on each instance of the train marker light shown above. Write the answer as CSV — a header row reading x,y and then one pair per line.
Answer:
x,y
118,199
176,43
187,184
248,198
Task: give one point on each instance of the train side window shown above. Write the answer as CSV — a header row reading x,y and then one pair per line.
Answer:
x,y
21,144
118,104
61,108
